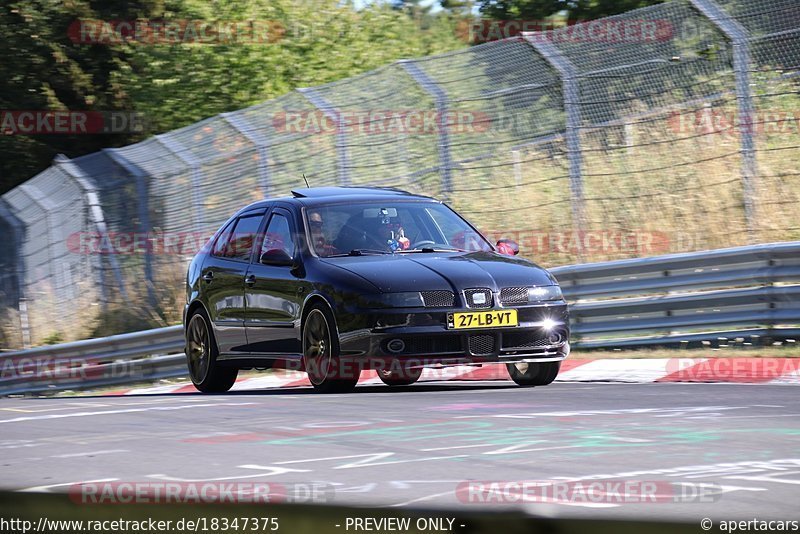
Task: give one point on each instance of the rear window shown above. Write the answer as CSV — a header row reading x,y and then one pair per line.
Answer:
x,y
238,243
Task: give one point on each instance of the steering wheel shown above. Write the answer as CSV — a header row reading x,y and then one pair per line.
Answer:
x,y
418,244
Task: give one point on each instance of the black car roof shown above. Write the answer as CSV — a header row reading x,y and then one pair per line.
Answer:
x,y
319,195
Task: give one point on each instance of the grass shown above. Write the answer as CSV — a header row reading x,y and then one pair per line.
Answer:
x,y
670,182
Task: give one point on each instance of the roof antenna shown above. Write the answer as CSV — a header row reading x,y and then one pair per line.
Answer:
x,y
304,178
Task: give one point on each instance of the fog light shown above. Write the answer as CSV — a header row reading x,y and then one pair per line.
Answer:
x,y
396,345
554,339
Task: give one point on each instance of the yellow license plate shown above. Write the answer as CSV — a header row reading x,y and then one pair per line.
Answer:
x,y
483,319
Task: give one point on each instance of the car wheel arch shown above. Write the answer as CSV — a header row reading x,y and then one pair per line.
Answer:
x,y
309,302
193,307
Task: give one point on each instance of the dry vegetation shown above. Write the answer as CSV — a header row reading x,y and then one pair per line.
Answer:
x,y
662,184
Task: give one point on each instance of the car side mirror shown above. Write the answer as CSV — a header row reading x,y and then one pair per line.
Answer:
x,y
277,257
509,247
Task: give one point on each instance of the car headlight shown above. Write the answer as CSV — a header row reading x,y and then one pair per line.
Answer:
x,y
544,294
402,300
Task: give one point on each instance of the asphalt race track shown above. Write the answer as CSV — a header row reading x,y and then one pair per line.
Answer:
x,y
722,451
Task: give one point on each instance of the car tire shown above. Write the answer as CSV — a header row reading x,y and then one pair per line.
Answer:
x,y
402,378
201,357
533,374
321,353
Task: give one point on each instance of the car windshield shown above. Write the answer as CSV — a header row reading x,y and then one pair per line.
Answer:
x,y
386,227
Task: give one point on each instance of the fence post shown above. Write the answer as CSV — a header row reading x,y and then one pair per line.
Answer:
x,y
18,230
97,218
739,37
342,157
142,194
568,72
48,207
440,97
188,159
261,144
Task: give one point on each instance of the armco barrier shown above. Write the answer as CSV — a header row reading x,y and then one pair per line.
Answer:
x,y
120,359
716,296
685,298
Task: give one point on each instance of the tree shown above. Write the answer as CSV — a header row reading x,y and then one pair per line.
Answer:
x,y
43,69
320,41
574,10
173,85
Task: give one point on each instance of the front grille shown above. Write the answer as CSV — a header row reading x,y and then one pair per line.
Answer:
x,y
425,345
438,299
470,294
481,344
530,339
513,295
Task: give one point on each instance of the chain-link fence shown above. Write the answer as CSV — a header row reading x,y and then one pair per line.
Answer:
x,y
670,128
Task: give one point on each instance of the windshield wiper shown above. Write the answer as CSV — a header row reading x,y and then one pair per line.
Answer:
x,y
431,249
359,252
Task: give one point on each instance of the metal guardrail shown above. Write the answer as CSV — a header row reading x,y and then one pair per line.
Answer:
x,y
120,359
682,299
678,299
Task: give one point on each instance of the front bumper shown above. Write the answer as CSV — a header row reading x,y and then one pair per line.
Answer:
x,y
420,338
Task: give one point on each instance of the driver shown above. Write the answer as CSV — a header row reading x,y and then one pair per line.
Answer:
x,y
316,230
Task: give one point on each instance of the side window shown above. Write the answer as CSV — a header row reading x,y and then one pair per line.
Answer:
x,y
278,235
240,245
221,244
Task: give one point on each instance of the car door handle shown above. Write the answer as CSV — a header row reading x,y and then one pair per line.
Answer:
x,y
209,276
250,279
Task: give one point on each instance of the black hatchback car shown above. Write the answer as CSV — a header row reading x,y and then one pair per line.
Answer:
x,y
335,280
